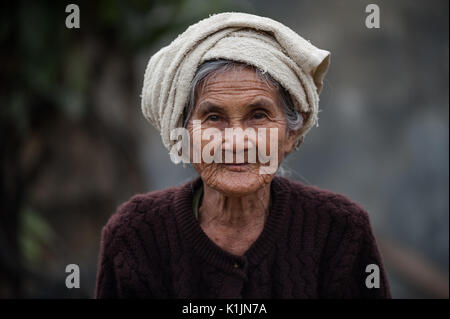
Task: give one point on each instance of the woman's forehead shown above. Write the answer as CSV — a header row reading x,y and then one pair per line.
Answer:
x,y
210,105
243,83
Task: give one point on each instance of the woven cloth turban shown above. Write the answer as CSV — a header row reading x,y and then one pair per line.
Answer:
x,y
258,41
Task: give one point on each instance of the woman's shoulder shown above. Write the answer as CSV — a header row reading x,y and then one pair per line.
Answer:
x,y
142,209
324,202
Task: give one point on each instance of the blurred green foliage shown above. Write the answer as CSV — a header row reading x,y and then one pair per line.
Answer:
x,y
36,236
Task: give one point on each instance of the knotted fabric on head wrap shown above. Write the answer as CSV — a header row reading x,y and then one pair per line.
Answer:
x,y
261,42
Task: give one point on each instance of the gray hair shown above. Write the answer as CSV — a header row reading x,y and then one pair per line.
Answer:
x,y
211,68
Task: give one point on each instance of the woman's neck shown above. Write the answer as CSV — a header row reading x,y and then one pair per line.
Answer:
x,y
234,212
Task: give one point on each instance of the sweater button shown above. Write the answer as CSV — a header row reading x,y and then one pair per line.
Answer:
x,y
236,265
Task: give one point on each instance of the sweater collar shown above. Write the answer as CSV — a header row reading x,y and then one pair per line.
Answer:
x,y
193,234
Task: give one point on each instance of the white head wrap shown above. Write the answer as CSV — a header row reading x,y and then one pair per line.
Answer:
x,y
261,42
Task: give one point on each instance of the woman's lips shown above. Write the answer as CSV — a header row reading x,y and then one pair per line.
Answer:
x,y
237,167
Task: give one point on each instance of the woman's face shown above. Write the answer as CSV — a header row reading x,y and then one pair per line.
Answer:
x,y
239,99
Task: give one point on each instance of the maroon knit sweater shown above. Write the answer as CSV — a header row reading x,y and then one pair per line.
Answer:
x,y
315,244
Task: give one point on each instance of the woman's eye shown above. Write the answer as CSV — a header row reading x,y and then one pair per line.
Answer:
x,y
259,115
213,118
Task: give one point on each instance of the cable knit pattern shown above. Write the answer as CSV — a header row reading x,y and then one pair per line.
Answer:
x,y
315,244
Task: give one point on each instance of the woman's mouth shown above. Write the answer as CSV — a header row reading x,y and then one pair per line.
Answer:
x,y
237,167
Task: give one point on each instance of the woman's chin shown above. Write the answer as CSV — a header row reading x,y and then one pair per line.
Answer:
x,y
238,183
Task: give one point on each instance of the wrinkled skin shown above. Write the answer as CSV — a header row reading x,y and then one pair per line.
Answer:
x,y
236,198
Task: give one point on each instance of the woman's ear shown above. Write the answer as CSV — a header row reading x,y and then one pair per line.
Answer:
x,y
291,141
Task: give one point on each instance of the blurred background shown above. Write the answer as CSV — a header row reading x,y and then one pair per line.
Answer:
x,y
74,144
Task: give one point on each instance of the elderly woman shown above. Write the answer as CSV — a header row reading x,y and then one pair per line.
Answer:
x,y
237,231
